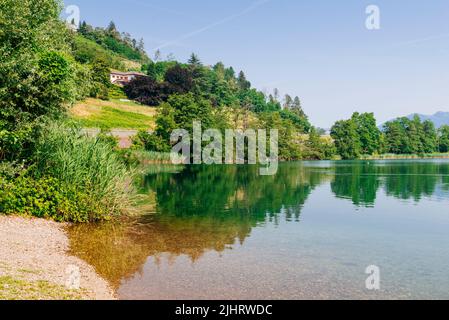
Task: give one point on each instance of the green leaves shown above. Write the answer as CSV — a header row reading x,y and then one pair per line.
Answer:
x,y
33,68
444,139
54,67
347,141
405,136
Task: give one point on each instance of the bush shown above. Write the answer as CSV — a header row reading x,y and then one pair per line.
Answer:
x,y
18,144
116,92
150,142
91,165
147,91
47,198
10,170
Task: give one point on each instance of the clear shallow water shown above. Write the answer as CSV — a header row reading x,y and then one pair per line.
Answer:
x,y
224,232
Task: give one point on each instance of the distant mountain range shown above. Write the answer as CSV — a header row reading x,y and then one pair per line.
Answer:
x,y
439,118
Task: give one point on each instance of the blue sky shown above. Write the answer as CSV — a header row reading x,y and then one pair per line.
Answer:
x,y
319,50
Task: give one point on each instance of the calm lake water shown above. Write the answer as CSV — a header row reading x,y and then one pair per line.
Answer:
x,y
310,232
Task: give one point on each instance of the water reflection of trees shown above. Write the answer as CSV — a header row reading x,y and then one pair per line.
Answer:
x,y
197,210
235,193
200,209
360,181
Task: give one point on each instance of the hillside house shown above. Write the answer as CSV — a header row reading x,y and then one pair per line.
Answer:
x,y
122,78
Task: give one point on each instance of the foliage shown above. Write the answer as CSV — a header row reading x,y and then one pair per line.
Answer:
x,y
180,79
300,122
101,80
443,141
46,197
357,136
405,136
368,132
105,137
317,147
147,91
347,140
87,51
111,39
288,143
157,70
35,67
16,145
187,92
82,163
116,92
150,142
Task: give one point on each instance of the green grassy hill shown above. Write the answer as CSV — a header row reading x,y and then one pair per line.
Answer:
x,y
113,114
87,51
117,49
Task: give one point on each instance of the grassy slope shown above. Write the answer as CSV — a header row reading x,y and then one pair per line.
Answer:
x,y
91,50
114,114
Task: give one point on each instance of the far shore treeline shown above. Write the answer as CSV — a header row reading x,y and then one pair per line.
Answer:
x,y
49,168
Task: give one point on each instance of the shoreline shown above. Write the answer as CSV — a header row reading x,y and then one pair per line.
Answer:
x,y
35,263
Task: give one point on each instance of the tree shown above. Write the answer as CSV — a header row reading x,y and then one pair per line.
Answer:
x,y
288,102
410,136
180,79
147,91
194,60
317,147
296,107
395,137
368,132
184,110
83,28
302,124
100,79
276,94
35,77
141,45
242,82
429,137
157,55
289,148
112,29
444,138
346,139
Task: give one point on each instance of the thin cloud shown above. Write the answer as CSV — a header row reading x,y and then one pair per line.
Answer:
x,y
421,40
252,7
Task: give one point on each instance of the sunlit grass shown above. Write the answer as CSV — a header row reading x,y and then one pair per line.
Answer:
x,y
114,114
18,289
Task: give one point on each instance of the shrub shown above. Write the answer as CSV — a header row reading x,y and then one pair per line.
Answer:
x,y
10,170
150,142
47,198
147,91
18,144
79,162
106,137
116,92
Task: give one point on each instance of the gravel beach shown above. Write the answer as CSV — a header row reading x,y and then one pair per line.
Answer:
x,y
35,251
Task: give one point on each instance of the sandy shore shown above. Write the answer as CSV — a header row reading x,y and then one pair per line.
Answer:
x,y
34,258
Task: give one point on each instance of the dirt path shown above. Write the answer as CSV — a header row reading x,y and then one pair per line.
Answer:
x,y
34,263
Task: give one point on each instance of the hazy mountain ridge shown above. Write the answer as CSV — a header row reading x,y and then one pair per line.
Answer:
x,y
440,118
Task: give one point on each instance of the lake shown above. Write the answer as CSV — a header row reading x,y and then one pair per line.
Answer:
x,y
309,232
